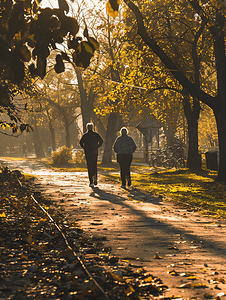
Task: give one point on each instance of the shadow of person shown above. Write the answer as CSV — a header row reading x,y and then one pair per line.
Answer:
x,y
108,196
152,220
133,194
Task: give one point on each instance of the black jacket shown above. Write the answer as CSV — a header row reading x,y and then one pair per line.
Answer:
x,y
90,142
124,144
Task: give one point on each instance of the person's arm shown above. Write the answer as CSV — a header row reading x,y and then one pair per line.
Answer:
x,y
100,141
82,142
115,146
133,146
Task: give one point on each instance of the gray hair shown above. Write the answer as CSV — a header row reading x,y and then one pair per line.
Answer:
x,y
123,131
89,126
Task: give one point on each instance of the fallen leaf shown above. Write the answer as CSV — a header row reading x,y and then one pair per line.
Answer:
x,y
3,215
24,257
192,277
148,279
172,248
124,260
187,274
116,277
185,285
157,256
219,280
130,258
173,273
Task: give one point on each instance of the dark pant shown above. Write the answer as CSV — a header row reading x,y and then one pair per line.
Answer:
x,y
124,161
92,166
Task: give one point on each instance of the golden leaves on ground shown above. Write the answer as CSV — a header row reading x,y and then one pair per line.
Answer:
x,y
195,284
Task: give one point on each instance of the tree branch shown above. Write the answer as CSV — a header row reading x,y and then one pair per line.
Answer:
x,y
186,83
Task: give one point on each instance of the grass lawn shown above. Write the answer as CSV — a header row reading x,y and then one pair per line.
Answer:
x,y
197,190
194,189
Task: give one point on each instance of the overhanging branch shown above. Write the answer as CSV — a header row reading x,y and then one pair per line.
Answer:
x,y
178,75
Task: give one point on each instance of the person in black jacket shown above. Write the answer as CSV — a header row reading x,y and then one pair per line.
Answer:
x,y
90,142
124,146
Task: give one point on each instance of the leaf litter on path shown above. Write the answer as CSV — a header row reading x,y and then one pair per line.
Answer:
x,y
36,264
86,251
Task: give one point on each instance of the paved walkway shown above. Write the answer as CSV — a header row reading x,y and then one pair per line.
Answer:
x,y
185,249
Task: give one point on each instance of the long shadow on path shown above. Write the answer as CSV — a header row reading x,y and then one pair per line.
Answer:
x,y
213,246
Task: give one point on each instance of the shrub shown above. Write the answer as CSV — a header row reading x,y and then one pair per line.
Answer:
x,y
62,155
79,158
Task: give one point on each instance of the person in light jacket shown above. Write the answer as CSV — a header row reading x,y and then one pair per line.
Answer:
x,y
90,142
124,146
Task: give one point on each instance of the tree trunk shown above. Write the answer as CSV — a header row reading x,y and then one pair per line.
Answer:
x,y
114,124
192,111
67,125
170,133
52,132
37,142
53,138
68,142
85,105
99,124
75,133
194,159
146,152
220,115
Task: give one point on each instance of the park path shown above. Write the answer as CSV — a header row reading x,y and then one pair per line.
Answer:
x,y
185,249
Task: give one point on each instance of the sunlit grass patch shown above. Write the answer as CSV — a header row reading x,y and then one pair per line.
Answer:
x,y
47,160
70,169
27,177
195,189
14,158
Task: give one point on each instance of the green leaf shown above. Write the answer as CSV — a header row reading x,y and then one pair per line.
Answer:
x,y
85,33
83,54
87,47
94,43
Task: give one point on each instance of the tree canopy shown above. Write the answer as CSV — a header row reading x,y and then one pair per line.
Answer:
x,y
28,33
203,38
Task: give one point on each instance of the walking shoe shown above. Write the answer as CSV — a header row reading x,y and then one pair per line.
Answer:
x,y
95,179
123,186
91,185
